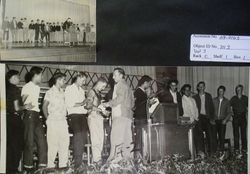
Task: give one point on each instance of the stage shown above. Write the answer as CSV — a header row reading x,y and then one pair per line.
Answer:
x,y
62,53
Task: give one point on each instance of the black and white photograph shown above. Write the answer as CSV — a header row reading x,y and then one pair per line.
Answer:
x,y
45,30
126,119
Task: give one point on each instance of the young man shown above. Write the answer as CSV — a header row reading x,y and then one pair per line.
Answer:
x,y
188,104
222,110
31,32
95,119
6,29
122,105
171,95
13,29
33,126
239,104
75,102
37,28
14,121
141,110
54,109
205,106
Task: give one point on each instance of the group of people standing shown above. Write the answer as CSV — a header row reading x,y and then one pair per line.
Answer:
x,y
73,108
210,115
83,111
40,31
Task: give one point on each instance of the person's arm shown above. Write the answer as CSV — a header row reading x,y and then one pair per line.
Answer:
x,y
89,104
19,107
45,108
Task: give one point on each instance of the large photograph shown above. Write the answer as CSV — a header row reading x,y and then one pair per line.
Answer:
x,y
126,119
42,30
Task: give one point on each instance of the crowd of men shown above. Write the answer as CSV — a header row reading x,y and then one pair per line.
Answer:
x,y
83,111
41,31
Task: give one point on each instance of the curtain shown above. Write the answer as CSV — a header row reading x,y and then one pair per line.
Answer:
x,y
214,77
2,119
230,77
48,10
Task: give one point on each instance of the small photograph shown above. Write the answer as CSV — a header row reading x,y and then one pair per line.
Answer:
x,y
44,30
126,119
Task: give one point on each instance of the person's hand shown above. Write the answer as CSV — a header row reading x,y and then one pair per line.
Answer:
x,y
212,122
224,122
106,104
29,106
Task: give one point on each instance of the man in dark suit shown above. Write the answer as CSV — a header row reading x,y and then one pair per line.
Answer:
x,y
223,113
140,112
239,104
37,28
205,106
170,94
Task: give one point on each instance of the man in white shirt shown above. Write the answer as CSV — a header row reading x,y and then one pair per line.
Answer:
x,y
188,104
75,102
33,126
54,109
122,105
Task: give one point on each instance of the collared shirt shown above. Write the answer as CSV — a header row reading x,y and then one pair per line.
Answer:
x,y
73,95
222,109
239,105
174,95
33,92
13,93
203,108
189,108
57,107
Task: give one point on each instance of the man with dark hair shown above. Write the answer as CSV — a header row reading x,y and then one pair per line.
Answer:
x,y
75,99
170,94
141,110
239,104
205,106
54,109
14,109
33,126
13,29
122,104
222,111
37,28
31,32
20,30
141,99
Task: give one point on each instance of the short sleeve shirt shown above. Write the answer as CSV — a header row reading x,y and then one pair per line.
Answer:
x,y
57,106
13,93
32,91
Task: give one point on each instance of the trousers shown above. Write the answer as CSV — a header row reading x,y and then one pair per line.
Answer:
x,y
58,142
34,133
95,122
121,139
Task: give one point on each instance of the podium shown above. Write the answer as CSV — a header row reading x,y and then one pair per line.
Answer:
x,y
163,135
